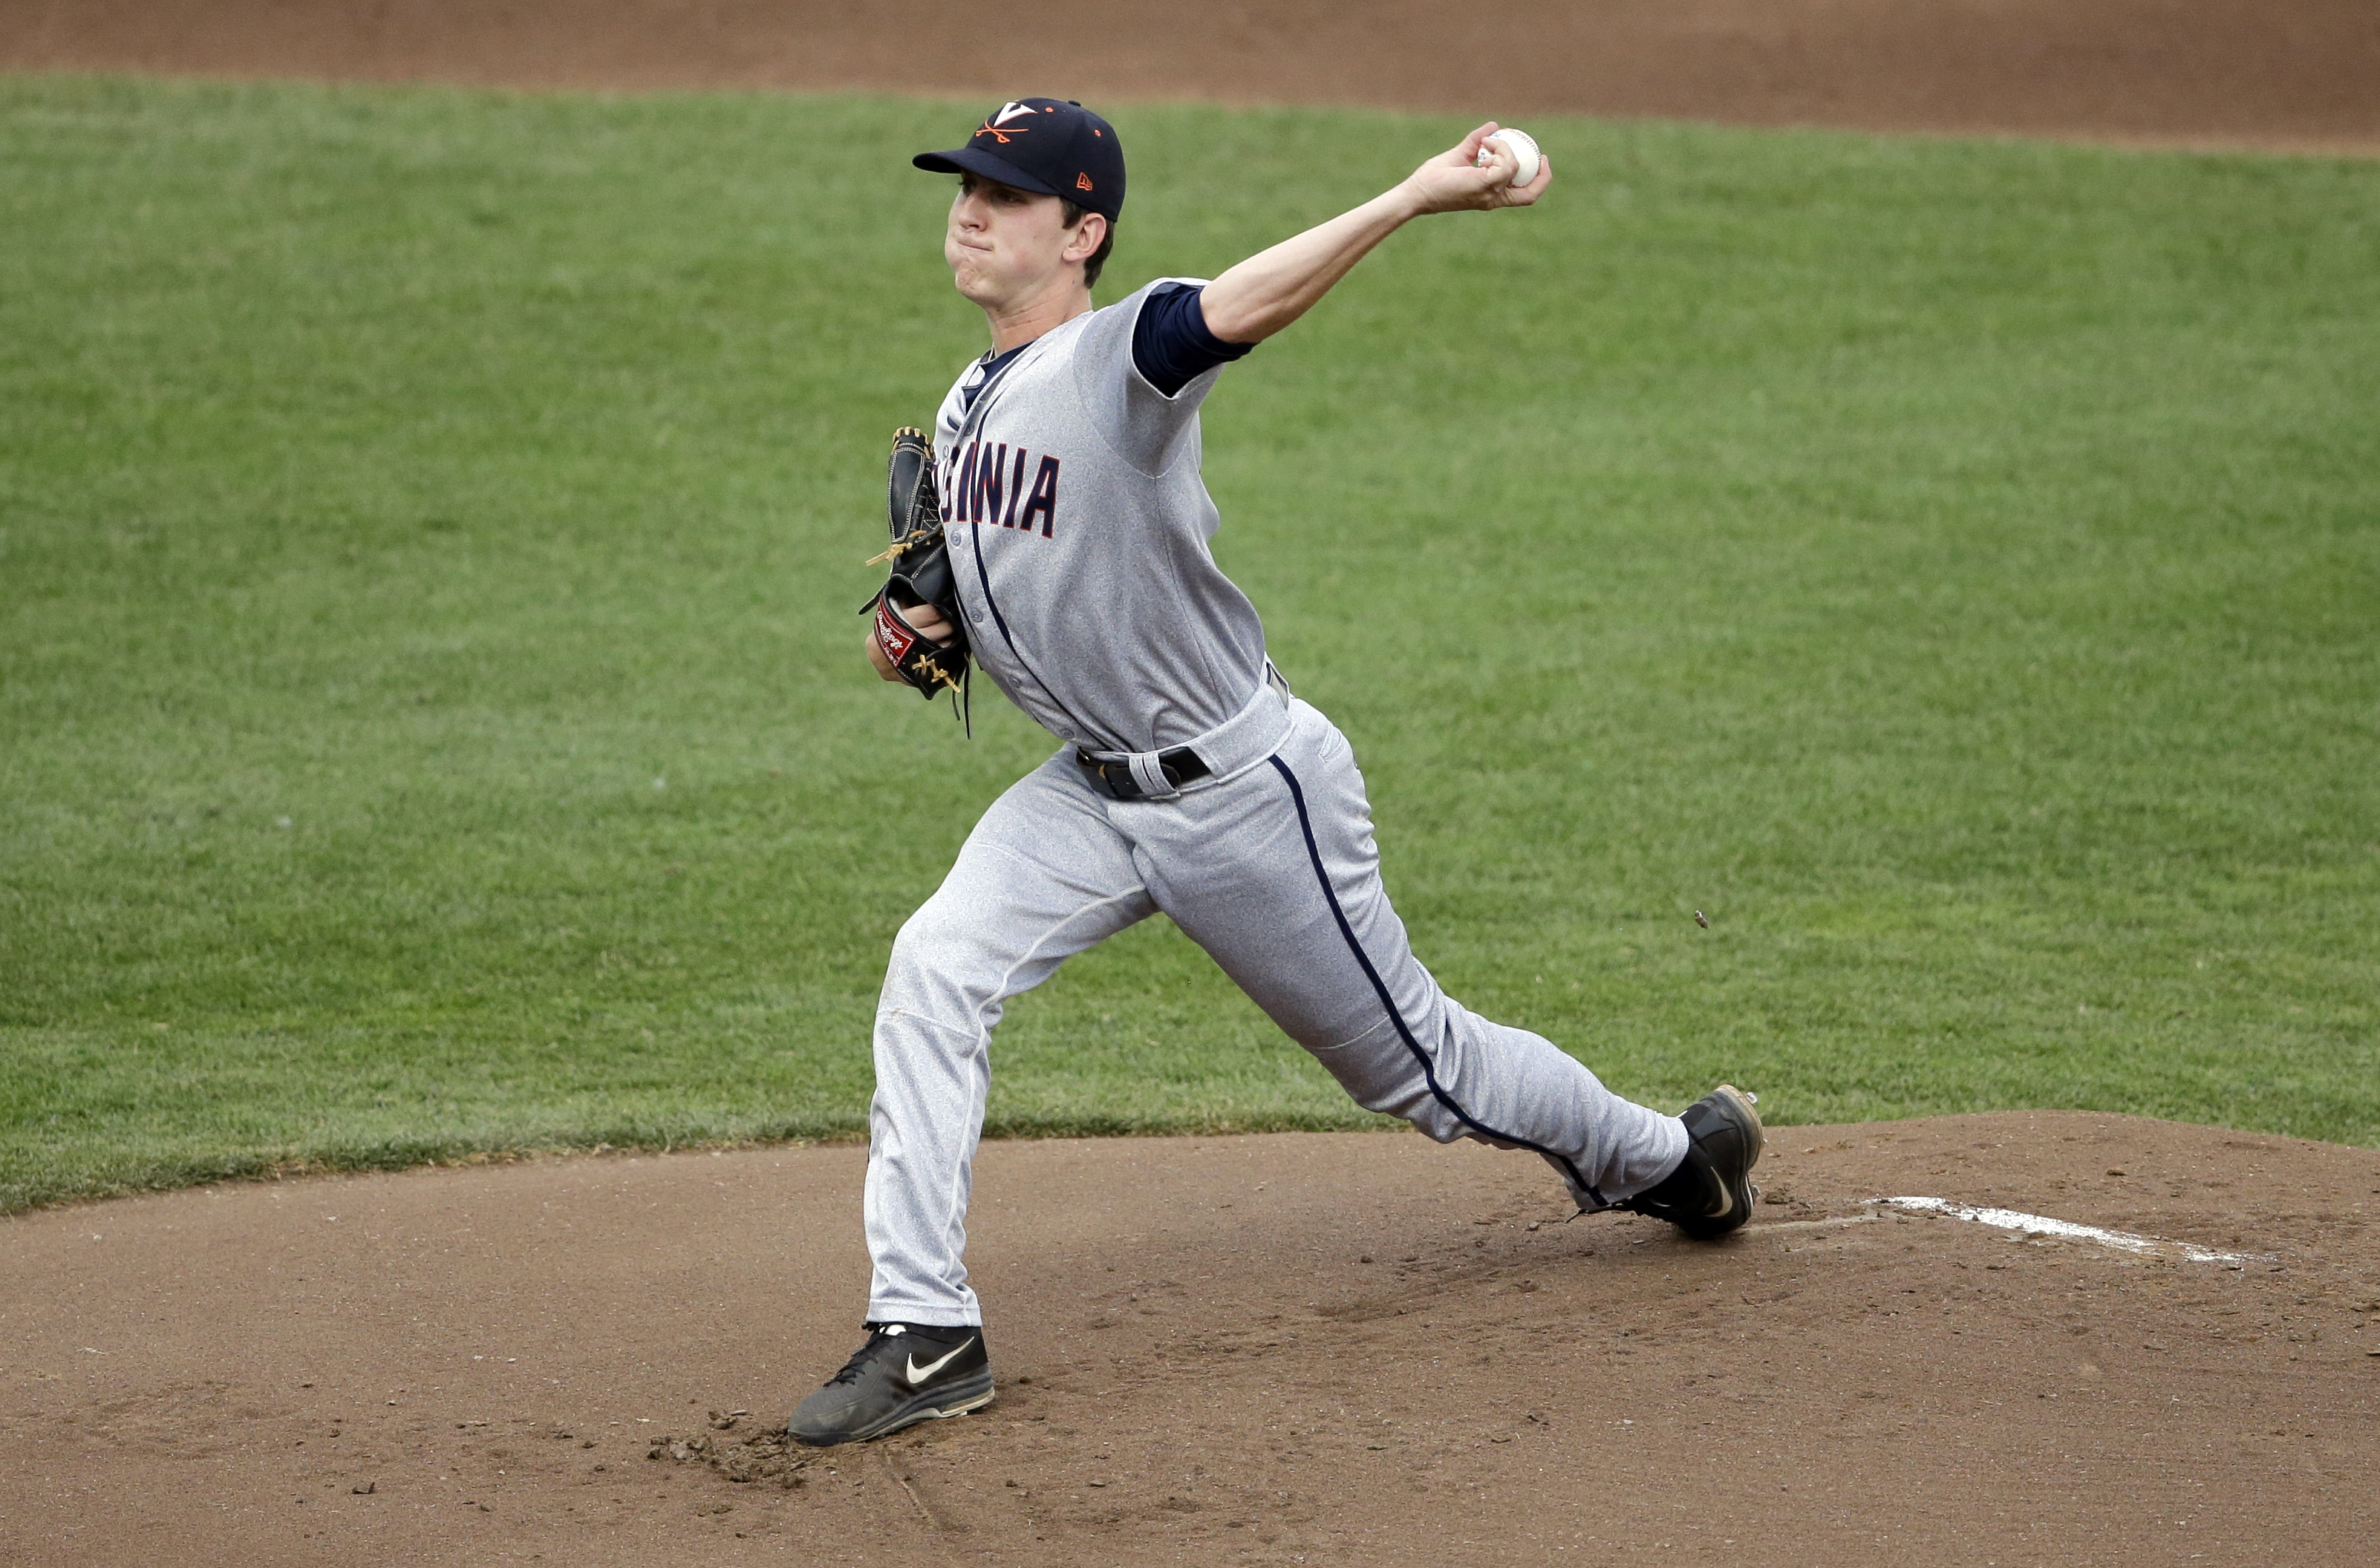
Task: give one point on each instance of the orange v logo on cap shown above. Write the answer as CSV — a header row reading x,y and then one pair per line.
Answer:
x,y
998,135
1082,182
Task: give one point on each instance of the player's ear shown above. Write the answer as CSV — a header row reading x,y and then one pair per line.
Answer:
x,y
1087,236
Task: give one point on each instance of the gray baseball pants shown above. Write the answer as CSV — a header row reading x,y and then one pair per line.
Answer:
x,y
1272,869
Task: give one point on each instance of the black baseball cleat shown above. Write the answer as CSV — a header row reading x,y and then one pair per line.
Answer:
x,y
1711,1193
906,1373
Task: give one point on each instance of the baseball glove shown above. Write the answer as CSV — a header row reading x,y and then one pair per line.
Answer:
x,y
920,575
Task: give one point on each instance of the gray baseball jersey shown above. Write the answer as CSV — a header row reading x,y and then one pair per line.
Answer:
x,y
1079,524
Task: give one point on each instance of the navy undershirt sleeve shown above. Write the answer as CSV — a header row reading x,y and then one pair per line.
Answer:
x,y
1170,345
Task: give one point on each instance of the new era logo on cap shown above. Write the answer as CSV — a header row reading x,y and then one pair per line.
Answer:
x,y
1049,146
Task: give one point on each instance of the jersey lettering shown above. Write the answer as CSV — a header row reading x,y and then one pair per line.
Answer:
x,y
954,500
990,481
990,489
1044,499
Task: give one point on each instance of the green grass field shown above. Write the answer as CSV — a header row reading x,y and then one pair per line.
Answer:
x,y
431,717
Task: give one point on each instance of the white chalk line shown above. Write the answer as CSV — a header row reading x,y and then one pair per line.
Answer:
x,y
2042,1225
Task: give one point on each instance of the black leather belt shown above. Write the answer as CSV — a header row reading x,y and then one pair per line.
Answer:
x,y
1115,779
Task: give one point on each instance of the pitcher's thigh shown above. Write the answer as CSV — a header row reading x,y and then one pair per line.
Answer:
x,y
1042,876
1279,881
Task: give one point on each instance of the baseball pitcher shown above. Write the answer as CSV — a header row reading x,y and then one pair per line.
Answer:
x,y
1054,529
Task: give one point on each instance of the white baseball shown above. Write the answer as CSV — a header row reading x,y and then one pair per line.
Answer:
x,y
1523,149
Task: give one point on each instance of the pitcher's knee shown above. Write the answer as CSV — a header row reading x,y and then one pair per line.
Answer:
x,y
1382,1074
1432,1118
940,968
1418,1105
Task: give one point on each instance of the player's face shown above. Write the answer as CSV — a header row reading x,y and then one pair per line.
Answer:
x,y
1005,245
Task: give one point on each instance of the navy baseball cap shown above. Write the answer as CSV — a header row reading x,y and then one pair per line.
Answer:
x,y
1049,146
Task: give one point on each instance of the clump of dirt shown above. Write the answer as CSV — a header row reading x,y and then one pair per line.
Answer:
x,y
770,1457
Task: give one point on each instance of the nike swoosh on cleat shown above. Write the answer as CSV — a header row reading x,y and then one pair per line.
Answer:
x,y
919,1374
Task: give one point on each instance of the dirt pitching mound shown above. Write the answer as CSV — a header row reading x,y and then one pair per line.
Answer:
x,y
2275,73
1347,1349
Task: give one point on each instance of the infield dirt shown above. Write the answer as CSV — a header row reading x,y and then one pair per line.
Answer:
x,y
2301,74
1328,1349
